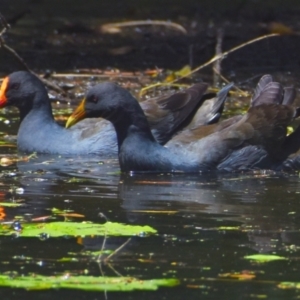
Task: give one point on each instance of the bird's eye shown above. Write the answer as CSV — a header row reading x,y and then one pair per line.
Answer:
x,y
94,99
15,86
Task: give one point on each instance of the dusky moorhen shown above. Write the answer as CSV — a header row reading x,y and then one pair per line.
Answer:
x,y
39,132
262,128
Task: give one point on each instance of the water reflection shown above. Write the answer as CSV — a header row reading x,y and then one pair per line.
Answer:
x,y
206,223
263,205
227,194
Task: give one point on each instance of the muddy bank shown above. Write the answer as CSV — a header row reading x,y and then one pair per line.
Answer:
x,y
66,35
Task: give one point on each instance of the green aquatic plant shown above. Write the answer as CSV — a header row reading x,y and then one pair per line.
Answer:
x,y
262,258
10,204
58,229
87,283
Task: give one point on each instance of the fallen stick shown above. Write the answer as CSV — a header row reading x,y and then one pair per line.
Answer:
x,y
10,50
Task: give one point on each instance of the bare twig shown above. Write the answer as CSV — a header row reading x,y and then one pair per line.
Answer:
x,y
50,84
14,53
243,93
10,50
104,75
4,23
46,82
114,270
115,27
102,215
102,274
146,88
224,54
211,61
102,247
217,63
116,251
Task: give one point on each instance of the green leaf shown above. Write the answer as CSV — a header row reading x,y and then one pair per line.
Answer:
x,y
264,257
87,283
10,204
57,229
289,285
229,228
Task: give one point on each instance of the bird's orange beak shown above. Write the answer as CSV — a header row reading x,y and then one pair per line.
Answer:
x,y
3,88
77,115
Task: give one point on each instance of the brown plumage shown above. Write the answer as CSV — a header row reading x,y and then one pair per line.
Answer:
x,y
252,140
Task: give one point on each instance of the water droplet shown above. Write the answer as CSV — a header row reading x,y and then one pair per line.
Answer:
x,y
44,236
11,174
19,191
16,225
40,263
40,179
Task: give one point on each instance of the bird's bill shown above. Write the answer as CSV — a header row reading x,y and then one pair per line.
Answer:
x,y
3,88
78,114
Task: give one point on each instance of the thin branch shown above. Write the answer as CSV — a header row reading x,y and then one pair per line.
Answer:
x,y
4,23
224,54
46,82
14,53
217,63
102,247
211,61
115,27
114,270
116,251
104,75
245,94
10,50
102,215
146,88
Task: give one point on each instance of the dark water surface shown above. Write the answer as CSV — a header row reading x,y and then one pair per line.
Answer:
x,y
207,224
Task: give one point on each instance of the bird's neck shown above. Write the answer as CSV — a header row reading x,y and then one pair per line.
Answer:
x,y
132,125
39,105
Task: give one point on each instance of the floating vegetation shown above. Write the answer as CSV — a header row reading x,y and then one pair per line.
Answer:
x,y
245,275
10,204
262,258
58,229
289,285
87,283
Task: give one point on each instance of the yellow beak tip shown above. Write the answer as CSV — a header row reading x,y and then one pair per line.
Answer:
x,y
70,122
77,115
